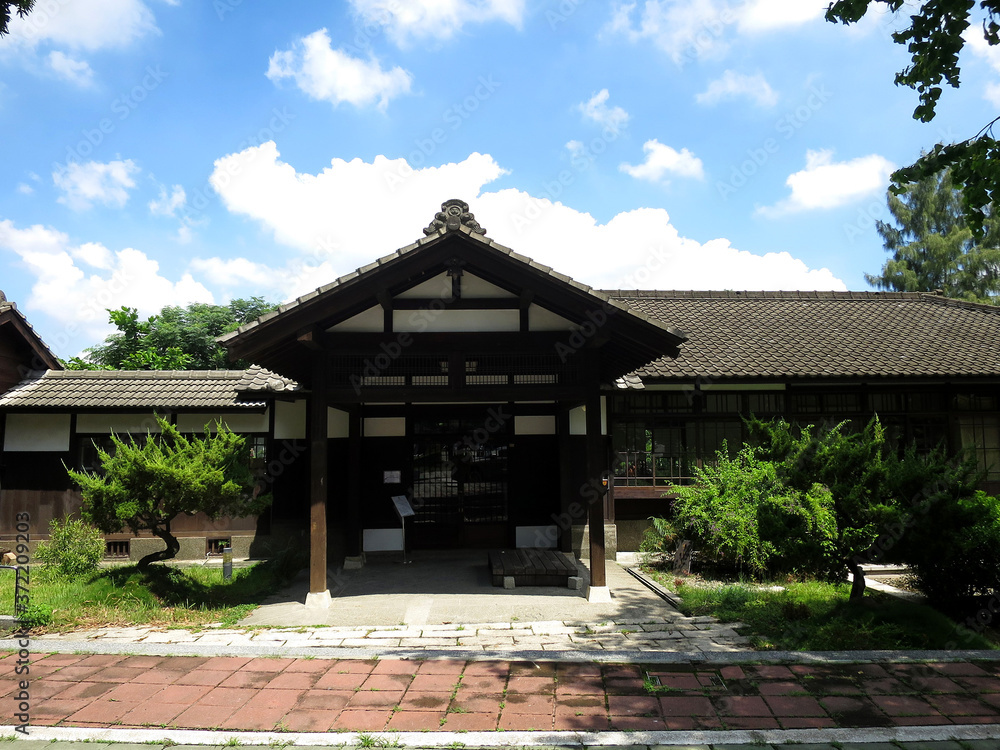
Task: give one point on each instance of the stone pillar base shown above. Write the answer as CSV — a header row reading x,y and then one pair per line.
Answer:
x,y
319,600
599,595
354,563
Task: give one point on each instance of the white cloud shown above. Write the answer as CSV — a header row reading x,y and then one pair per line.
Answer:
x,y
684,29
337,219
597,110
768,15
167,205
75,284
77,72
91,25
332,75
174,204
991,56
409,20
95,182
825,183
663,161
24,188
733,85
690,30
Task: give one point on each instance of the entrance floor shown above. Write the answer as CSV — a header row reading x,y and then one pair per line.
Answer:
x,y
453,586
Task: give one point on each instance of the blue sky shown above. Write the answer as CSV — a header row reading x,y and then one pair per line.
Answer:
x,y
169,151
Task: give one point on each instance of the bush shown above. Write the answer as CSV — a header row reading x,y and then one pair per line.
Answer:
x,y
740,513
74,548
954,548
35,616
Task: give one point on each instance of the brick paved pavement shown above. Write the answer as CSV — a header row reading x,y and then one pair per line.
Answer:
x,y
320,695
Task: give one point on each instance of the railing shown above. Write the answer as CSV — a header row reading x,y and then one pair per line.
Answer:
x,y
649,469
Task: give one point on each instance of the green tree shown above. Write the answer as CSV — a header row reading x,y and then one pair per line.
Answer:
x,y
932,246
144,485
935,38
179,338
21,6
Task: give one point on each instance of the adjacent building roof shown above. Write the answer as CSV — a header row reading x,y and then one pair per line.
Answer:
x,y
142,389
10,314
819,335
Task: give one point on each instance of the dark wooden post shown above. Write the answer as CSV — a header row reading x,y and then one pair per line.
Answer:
x,y
566,490
319,594
596,468
353,545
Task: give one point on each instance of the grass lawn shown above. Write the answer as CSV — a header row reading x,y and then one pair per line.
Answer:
x,y
817,616
163,595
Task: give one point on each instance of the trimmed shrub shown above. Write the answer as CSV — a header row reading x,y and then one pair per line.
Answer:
x,y
73,548
741,514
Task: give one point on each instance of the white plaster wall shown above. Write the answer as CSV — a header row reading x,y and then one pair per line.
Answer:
x,y
37,432
338,423
385,426
383,540
104,424
474,287
370,321
456,321
236,422
535,425
290,420
438,287
542,319
541,537
578,419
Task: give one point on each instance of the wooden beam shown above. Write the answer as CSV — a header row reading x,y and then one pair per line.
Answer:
x,y
541,342
310,338
460,303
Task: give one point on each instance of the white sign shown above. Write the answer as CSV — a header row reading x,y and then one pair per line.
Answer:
x,y
391,477
403,507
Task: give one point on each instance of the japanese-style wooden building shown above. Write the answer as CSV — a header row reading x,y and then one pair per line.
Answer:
x,y
511,405
454,362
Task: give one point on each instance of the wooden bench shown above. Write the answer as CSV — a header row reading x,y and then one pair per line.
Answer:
x,y
530,567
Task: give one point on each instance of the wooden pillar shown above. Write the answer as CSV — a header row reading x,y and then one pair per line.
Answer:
x,y
566,490
319,594
596,468
353,546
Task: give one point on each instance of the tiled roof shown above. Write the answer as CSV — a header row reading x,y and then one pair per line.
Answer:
x,y
822,334
364,271
8,306
142,389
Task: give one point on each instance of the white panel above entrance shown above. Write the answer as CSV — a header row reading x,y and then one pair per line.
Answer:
x,y
456,321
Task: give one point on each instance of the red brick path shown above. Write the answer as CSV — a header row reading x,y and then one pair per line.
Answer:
x,y
316,695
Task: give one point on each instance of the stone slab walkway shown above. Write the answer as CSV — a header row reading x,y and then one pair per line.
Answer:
x,y
671,632
320,695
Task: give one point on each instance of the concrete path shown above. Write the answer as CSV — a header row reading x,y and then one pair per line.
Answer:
x,y
453,587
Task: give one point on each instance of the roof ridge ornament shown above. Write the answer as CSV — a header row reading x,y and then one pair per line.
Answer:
x,y
454,213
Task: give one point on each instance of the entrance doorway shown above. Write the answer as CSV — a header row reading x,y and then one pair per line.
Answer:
x,y
460,480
